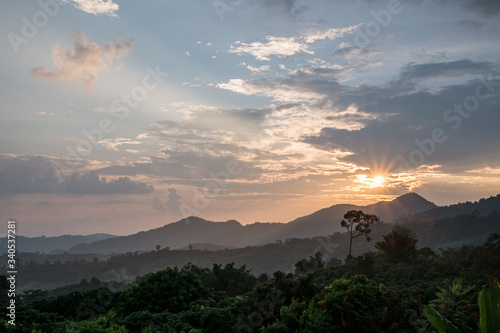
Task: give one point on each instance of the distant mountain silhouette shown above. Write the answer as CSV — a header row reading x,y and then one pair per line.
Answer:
x,y
327,221
233,234
51,271
482,207
52,245
179,234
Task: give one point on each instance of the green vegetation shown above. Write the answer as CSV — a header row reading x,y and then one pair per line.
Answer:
x,y
489,309
399,288
398,245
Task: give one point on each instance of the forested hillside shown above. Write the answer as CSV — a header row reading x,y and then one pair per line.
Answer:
x,y
481,207
51,271
385,290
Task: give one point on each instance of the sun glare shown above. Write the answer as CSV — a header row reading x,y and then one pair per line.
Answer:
x,y
379,180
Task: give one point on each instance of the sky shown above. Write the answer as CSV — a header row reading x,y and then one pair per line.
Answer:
x,y
119,116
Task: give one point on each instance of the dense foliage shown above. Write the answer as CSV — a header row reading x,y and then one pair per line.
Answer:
x,y
384,291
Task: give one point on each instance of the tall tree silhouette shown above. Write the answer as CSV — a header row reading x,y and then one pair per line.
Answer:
x,y
358,224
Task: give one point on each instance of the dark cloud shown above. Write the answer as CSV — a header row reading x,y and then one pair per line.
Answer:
x,y
187,167
204,144
350,52
174,203
469,24
36,175
289,7
484,7
158,205
471,140
90,183
158,166
414,72
400,113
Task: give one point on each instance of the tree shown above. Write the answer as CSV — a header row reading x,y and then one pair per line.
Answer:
x,y
158,247
353,305
398,245
168,290
358,224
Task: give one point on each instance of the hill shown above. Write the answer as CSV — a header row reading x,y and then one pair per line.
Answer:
x,y
52,245
323,221
51,271
180,234
482,207
234,234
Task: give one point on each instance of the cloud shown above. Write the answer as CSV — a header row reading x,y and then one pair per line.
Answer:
x,y
285,47
96,7
350,52
36,175
412,116
375,124
116,109
283,7
277,89
485,171
265,143
158,205
333,33
273,46
173,203
115,143
90,183
31,175
484,7
458,68
256,70
84,62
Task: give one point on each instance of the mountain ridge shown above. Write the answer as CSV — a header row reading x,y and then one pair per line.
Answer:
x,y
482,206
233,234
53,244
410,207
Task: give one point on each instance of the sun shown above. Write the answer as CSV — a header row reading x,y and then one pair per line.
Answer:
x,y
379,180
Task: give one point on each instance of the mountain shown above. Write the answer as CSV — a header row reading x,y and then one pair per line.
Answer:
x,y
233,234
179,234
51,271
482,207
52,245
410,203
327,221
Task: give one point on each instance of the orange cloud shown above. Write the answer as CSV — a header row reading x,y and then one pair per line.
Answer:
x,y
84,62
